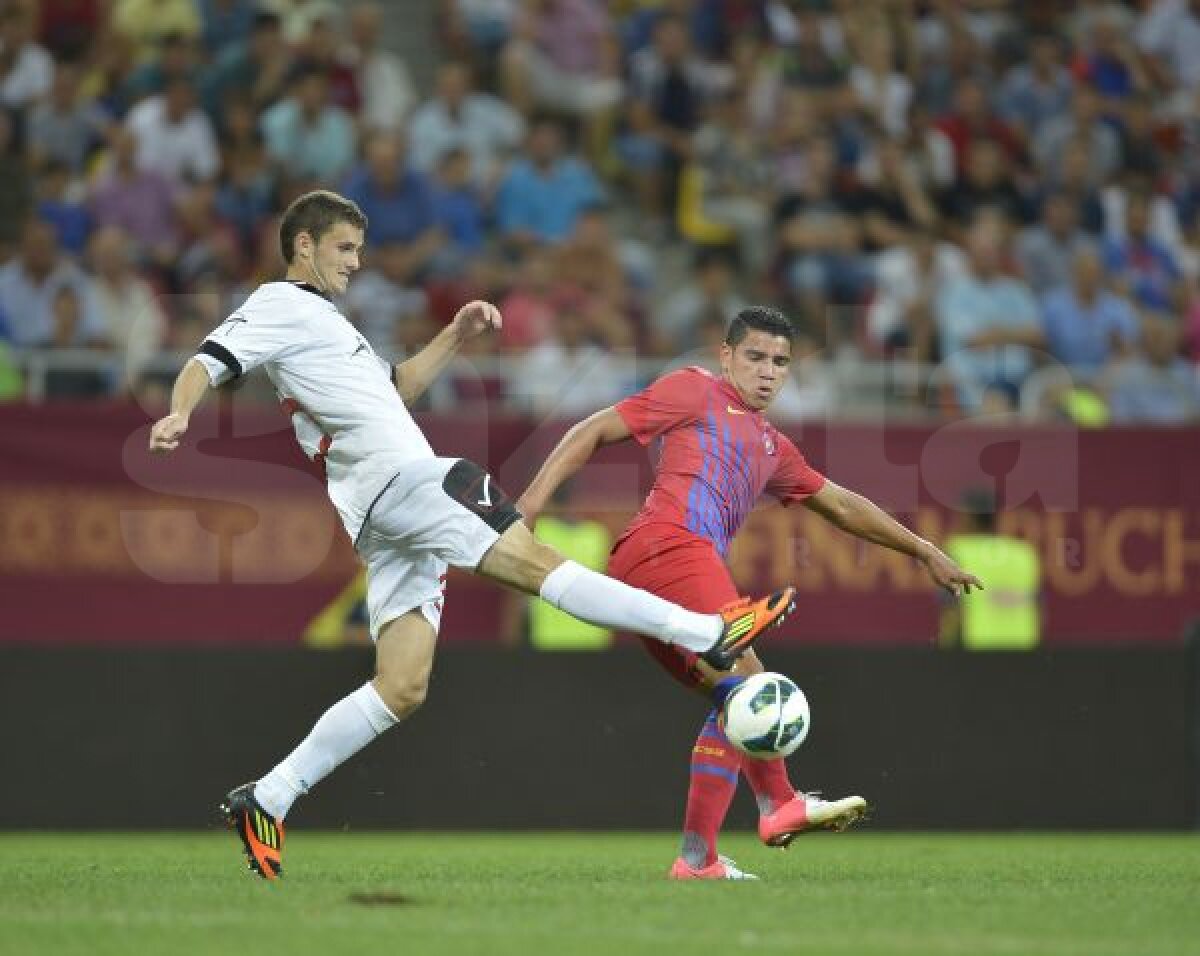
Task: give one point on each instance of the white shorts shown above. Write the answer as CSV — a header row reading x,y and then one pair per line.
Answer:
x,y
435,513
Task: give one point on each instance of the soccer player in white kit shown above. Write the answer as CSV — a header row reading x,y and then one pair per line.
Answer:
x,y
409,512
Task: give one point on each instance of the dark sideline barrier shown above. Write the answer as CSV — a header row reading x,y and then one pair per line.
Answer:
x,y
1078,739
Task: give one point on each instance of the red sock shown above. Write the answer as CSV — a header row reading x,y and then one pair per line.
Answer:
x,y
710,792
769,781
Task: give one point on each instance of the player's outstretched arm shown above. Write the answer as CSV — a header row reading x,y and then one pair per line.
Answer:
x,y
572,453
416,374
862,517
191,385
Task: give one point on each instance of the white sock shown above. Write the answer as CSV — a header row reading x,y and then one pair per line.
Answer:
x,y
343,730
609,603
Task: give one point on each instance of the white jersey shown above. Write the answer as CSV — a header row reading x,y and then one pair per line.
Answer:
x,y
343,403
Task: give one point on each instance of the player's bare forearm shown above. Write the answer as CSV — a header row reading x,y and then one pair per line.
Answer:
x,y
191,385
416,374
570,454
863,518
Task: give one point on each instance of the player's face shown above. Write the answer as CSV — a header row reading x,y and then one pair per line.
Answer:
x,y
335,257
757,366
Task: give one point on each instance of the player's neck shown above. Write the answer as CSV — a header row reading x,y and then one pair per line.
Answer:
x,y
305,277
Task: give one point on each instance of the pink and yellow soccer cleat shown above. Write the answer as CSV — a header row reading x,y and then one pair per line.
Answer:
x,y
723,869
807,811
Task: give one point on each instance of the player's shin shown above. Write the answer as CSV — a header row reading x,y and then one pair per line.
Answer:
x,y
769,781
343,730
601,600
711,786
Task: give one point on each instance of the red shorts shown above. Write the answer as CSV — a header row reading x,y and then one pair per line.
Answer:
x,y
678,567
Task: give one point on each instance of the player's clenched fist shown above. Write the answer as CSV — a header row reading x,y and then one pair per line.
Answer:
x,y
477,317
165,434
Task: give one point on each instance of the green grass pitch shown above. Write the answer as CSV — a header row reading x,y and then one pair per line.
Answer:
x,y
858,894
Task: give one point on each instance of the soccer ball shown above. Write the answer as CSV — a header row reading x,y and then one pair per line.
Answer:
x,y
765,716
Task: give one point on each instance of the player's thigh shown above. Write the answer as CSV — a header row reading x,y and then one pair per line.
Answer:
x,y
688,572
446,507
404,661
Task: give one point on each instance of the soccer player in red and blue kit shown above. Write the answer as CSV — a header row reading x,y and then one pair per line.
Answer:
x,y
718,455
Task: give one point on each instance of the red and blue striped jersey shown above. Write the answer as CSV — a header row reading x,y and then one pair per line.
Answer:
x,y
718,455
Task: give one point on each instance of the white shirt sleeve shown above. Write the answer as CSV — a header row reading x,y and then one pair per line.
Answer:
x,y
245,341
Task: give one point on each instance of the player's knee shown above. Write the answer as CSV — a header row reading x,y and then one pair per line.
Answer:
x,y
403,693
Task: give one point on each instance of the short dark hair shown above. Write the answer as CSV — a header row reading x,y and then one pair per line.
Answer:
x,y
316,213
760,317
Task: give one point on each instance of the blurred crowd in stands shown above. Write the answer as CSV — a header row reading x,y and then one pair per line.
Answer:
x,y
998,201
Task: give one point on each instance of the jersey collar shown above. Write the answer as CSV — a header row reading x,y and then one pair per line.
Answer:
x,y
308,287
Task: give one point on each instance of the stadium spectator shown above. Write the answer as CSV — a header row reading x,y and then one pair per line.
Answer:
x,y
1036,90
30,288
174,136
987,323
1075,180
388,92
1139,133
246,195
67,27
256,71
709,298
728,184
891,201
1086,325
1109,62
1141,266
390,311
544,190
225,23
312,140
1157,386
140,202
458,208
1046,249
1168,31
566,374
529,307
148,22
63,127
1083,122
809,54
986,185
883,92
26,68
974,120
298,16
129,312
209,245
908,279
61,203
669,89
324,48
175,56
564,57
398,201
458,117
820,238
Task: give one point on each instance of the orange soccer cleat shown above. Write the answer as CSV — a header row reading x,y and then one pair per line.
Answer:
x,y
261,833
745,622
